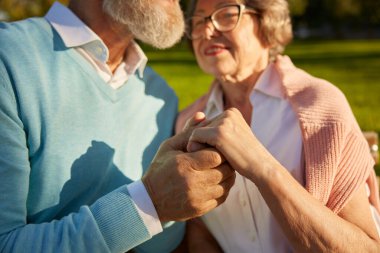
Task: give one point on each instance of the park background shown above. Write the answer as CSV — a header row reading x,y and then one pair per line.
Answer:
x,y
337,40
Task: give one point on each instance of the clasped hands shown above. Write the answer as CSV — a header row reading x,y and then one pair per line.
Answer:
x,y
193,171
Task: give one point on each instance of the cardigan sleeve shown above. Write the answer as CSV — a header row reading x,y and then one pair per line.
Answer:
x,y
337,163
355,167
337,159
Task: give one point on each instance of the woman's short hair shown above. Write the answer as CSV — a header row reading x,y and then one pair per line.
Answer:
x,y
274,22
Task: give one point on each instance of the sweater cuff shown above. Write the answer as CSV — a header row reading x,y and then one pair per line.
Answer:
x,y
145,207
119,221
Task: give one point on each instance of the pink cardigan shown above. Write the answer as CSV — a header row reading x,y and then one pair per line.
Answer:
x,y
337,158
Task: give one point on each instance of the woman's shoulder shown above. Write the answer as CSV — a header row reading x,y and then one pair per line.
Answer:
x,y
313,97
296,80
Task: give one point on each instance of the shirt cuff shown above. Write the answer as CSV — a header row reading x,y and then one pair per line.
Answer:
x,y
145,207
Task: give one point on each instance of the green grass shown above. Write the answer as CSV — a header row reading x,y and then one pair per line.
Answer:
x,y
353,66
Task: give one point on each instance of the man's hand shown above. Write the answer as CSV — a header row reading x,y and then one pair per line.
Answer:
x,y
186,185
232,136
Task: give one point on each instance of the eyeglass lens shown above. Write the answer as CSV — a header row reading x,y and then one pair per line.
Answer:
x,y
224,19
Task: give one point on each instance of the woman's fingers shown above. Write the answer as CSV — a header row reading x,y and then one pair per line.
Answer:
x,y
201,138
195,120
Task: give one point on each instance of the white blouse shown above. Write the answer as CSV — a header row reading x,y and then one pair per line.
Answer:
x,y
244,223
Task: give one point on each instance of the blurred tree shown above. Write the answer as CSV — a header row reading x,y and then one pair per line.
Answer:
x,y
19,9
343,9
343,14
336,17
370,11
359,14
316,13
298,7
297,10
370,16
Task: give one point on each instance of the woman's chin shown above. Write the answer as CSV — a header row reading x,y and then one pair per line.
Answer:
x,y
218,71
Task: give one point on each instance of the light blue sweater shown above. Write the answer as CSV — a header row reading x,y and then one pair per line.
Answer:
x,y
69,145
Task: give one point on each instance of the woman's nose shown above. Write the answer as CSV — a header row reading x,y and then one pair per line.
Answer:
x,y
210,30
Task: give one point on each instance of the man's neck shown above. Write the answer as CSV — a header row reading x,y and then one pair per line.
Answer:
x,y
114,35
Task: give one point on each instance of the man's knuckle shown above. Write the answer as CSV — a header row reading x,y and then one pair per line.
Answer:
x,y
215,158
184,162
177,161
193,206
202,209
191,184
218,191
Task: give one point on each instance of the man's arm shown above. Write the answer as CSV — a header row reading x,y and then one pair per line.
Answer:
x,y
112,223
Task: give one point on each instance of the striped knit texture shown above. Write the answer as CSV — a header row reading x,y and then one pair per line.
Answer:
x,y
112,222
337,158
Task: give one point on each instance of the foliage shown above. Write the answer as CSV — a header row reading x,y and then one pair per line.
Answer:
x,y
319,12
298,7
370,10
314,12
19,9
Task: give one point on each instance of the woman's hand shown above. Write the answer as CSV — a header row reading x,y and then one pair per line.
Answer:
x,y
232,136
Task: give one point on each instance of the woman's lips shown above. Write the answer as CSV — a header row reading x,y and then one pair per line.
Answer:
x,y
214,50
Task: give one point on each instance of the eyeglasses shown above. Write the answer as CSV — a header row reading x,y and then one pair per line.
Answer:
x,y
224,19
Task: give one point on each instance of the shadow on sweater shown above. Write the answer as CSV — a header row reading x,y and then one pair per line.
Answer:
x,y
93,175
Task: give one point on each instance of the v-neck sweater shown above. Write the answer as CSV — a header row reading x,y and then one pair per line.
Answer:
x,y
70,144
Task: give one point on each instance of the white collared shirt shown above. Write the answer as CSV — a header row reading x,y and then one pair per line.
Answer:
x,y
75,34
244,222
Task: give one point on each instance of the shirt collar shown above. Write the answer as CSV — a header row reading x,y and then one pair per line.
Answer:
x,y
215,103
268,83
135,59
75,33
72,30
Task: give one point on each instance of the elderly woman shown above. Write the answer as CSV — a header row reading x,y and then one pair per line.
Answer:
x,y
306,179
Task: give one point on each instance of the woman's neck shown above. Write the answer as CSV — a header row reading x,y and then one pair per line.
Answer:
x,y
237,93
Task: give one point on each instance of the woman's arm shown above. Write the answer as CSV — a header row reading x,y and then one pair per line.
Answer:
x,y
311,226
308,224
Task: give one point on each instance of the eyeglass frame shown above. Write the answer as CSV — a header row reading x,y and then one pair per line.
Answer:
x,y
242,9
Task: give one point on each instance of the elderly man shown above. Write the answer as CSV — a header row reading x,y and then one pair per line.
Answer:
x,y
81,119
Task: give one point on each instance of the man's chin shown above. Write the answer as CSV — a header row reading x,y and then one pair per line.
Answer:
x,y
162,43
160,38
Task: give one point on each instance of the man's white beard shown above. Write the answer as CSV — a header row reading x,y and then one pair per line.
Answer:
x,y
148,22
